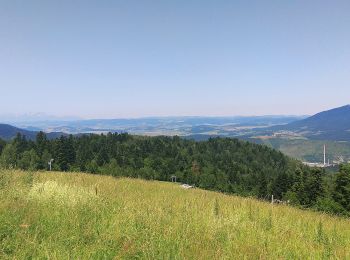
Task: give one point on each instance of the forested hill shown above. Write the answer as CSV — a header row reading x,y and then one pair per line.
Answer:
x,y
222,164
8,132
332,124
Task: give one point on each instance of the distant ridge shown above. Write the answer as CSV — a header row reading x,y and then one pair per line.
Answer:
x,y
8,132
333,124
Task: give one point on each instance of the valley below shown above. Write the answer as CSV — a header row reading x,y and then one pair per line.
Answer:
x,y
300,137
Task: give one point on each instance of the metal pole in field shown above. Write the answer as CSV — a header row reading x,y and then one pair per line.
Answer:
x,y
272,199
50,164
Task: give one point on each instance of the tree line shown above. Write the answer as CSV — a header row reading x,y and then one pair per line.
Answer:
x,y
221,164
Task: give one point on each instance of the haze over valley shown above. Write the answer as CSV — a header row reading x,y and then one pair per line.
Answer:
x,y
301,137
174,129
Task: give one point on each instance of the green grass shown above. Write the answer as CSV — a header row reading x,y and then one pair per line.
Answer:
x,y
81,216
310,150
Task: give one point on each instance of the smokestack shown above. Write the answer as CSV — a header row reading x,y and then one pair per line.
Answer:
x,y
324,154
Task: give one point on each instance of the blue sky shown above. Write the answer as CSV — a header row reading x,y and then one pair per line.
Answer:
x,y
105,59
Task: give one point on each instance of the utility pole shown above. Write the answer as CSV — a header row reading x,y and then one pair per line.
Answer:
x,y
50,164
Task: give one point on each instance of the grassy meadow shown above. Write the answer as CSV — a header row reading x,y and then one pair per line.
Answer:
x,y
81,216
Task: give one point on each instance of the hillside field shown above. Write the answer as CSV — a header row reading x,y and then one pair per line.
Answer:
x,y
81,216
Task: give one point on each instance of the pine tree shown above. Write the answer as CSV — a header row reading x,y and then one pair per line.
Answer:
x,y
41,143
341,192
8,157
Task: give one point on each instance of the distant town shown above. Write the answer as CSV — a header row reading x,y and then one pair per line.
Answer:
x,y
326,162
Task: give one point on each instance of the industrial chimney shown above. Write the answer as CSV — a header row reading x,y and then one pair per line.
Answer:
x,y
324,155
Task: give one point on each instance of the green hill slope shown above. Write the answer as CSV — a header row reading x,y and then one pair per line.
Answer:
x,y
309,150
81,216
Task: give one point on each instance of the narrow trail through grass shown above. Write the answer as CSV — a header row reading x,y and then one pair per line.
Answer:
x,y
82,216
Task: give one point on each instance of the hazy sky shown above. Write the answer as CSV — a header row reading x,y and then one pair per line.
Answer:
x,y
103,59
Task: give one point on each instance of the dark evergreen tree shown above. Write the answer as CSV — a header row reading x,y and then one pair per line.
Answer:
x,y
313,186
222,164
41,143
2,145
341,192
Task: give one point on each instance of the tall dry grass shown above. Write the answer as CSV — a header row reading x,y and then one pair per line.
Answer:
x,y
81,216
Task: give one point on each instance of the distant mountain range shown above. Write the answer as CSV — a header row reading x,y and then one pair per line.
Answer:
x,y
182,126
10,118
332,124
8,132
